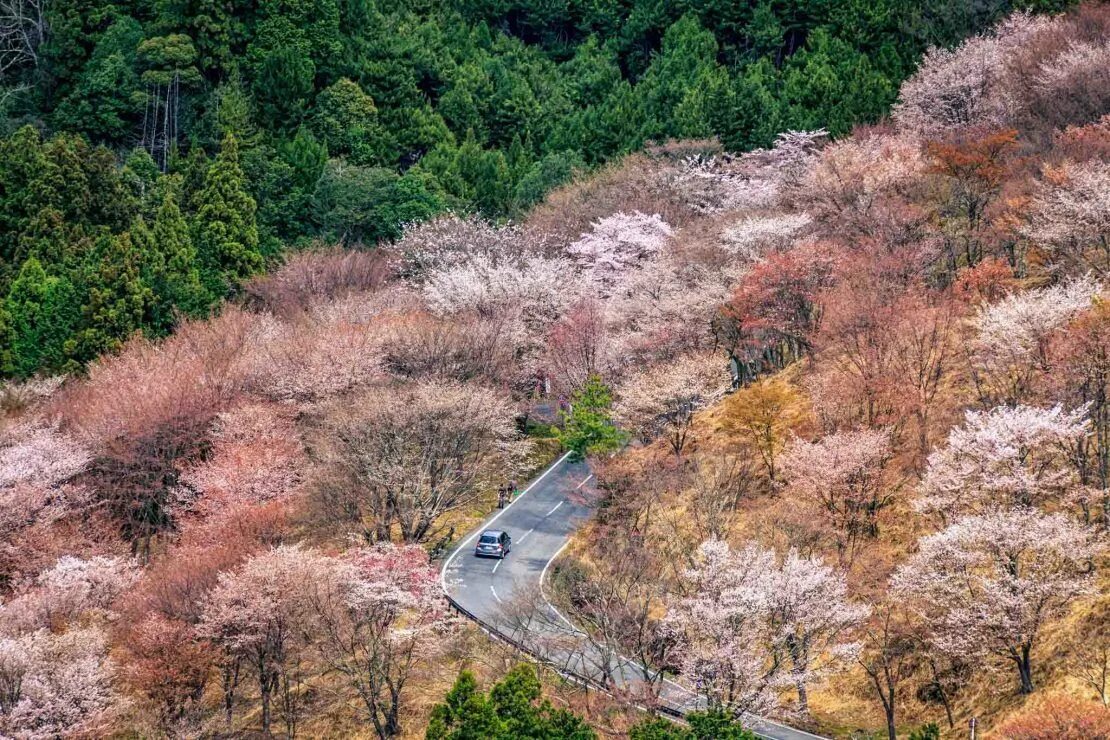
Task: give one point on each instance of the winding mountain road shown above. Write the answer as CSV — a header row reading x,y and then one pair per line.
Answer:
x,y
506,597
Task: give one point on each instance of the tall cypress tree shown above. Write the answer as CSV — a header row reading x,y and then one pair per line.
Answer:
x,y
170,266
226,230
117,299
41,312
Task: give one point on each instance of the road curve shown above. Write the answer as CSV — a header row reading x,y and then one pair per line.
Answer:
x,y
506,596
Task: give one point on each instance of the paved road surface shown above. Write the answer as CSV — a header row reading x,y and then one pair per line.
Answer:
x,y
507,595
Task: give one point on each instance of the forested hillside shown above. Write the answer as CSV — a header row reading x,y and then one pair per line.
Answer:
x,y
158,152
845,397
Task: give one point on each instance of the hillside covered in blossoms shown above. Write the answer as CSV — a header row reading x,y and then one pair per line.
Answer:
x,y
846,398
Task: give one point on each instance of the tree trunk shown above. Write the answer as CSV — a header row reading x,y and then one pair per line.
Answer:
x,y
1025,670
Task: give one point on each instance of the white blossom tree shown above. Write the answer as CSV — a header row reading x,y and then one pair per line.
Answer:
x,y
1070,215
752,236
617,244
1012,337
751,625
1003,458
662,401
988,583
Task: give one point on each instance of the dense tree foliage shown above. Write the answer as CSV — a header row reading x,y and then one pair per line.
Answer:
x,y
345,120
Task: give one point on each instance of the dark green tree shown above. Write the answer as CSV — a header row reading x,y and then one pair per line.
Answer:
x,y
514,710
588,426
115,303
225,229
170,266
42,312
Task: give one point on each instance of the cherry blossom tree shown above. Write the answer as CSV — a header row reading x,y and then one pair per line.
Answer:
x,y
57,684
40,454
256,456
381,614
752,625
451,239
959,88
403,456
988,583
845,476
1004,458
617,244
753,236
257,617
1013,337
663,401
537,286
723,632
578,346
1070,215
72,587
810,616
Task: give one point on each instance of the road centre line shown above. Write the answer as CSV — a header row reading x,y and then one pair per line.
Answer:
x,y
555,509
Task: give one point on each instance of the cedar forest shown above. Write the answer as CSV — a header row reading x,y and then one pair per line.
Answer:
x,y
817,288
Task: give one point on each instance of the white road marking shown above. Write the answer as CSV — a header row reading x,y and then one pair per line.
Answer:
x,y
495,565
555,509
464,543
591,475
530,531
495,595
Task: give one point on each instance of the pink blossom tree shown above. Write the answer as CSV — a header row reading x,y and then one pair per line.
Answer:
x,y
1004,458
988,583
256,456
722,629
617,244
844,475
257,617
57,685
379,615
810,616
401,457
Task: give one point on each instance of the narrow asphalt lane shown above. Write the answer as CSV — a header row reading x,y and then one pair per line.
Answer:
x,y
507,594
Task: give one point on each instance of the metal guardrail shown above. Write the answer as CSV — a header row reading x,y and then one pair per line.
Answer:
x,y
574,676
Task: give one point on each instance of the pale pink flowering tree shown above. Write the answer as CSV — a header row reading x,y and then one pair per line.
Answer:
x,y
618,244
753,236
988,583
577,346
539,287
256,456
662,401
450,239
258,618
310,356
752,625
39,454
722,629
1004,458
367,615
1070,215
1012,339
71,588
845,476
957,88
810,617
57,685
381,614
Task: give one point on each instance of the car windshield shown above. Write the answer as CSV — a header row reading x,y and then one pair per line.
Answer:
x,y
488,539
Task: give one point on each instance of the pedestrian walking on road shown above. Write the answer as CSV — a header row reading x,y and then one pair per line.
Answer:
x,y
501,497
